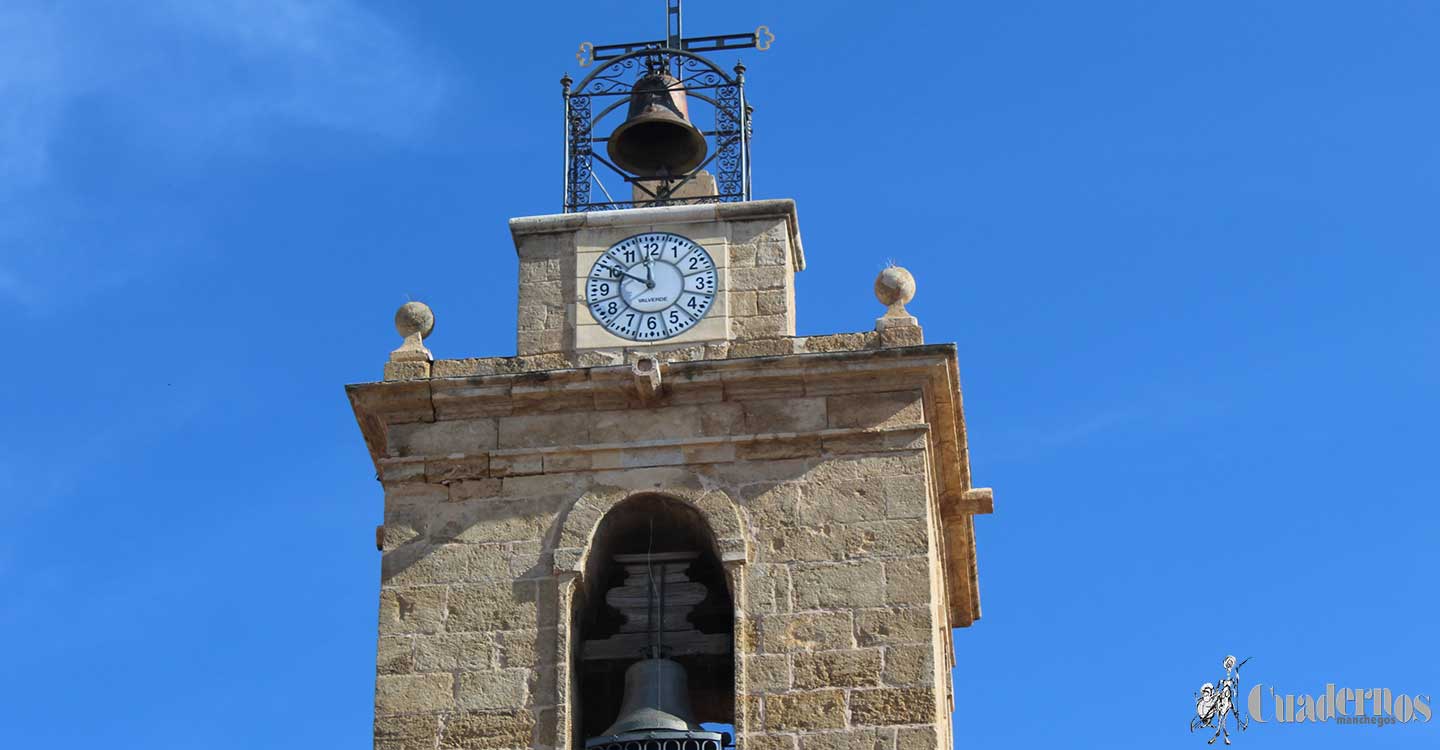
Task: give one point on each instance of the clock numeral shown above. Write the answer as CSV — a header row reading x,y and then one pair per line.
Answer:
x,y
704,283
600,290
675,322
694,305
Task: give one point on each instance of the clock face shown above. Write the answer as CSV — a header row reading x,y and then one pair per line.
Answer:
x,y
651,286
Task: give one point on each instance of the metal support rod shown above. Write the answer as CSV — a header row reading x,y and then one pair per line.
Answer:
x,y
744,122
608,196
565,82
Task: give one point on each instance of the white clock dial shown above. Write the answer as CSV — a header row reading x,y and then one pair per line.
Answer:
x,y
651,286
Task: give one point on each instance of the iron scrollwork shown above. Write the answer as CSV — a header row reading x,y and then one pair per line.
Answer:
x,y
607,89
578,175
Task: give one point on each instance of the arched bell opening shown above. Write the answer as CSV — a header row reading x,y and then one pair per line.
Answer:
x,y
653,591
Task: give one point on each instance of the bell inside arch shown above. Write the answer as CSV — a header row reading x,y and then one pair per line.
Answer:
x,y
656,697
655,713
657,138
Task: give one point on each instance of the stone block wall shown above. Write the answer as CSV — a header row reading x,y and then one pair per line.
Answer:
x,y
822,481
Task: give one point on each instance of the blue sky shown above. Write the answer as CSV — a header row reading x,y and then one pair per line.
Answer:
x,y
1187,251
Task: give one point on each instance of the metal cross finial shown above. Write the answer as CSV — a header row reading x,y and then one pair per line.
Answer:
x,y
761,38
672,24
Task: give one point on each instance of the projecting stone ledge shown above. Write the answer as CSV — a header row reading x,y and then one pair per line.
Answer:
x,y
835,342
699,213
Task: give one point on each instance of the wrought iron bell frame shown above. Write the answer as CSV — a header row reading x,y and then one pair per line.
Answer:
x,y
609,88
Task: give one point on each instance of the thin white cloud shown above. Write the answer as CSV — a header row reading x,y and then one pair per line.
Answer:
x,y
202,73
1025,443
1087,428
32,92
327,63
1154,408
11,286
183,81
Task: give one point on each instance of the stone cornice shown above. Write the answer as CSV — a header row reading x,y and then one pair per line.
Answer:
x,y
931,369
690,214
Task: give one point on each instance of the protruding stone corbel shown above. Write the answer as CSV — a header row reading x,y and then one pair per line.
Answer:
x,y
647,372
976,501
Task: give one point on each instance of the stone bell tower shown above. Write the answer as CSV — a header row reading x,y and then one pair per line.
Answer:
x,y
669,520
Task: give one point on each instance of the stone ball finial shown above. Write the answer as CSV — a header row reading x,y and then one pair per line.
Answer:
x,y
894,287
897,327
413,321
413,318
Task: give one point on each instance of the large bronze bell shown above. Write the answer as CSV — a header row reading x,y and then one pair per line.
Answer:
x,y
657,696
655,712
657,138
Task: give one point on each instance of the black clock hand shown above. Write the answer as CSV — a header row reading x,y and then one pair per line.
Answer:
x,y
617,273
649,275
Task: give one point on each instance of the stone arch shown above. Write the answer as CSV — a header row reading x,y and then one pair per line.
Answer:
x,y
591,534
719,511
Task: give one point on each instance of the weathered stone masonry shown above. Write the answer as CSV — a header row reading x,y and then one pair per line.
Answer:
x,y
831,473
835,486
